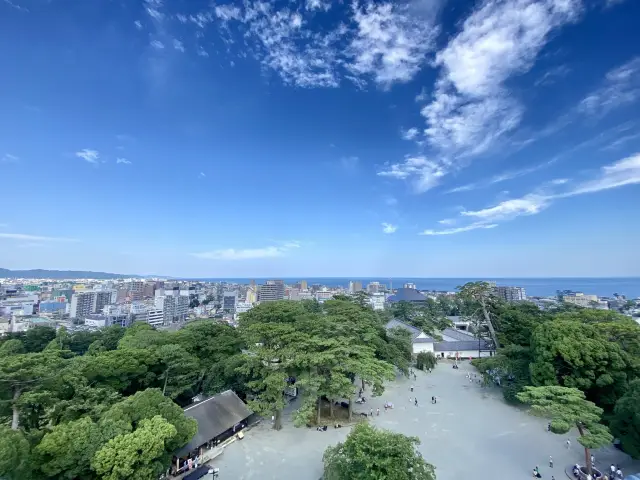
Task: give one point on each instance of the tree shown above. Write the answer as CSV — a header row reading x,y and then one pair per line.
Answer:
x,y
26,372
426,360
37,338
514,322
568,408
372,454
139,455
403,310
180,369
577,355
625,424
67,450
481,293
15,458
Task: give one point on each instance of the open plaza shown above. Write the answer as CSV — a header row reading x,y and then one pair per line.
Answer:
x,y
469,434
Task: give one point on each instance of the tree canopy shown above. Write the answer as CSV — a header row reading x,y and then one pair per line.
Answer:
x,y
372,454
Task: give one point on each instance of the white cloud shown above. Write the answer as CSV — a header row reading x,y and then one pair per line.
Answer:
x,y
201,175
621,87
138,24
528,205
423,174
389,228
391,43
35,238
157,44
88,155
318,5
447,221
621,141
502,177
249,253
410,134
178,45
153,8
618,174
123,161
228,12
553,75
452,231
202,52
471,107
8,158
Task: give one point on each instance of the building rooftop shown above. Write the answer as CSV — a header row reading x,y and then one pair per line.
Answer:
x,y
215,415
395,323
407,295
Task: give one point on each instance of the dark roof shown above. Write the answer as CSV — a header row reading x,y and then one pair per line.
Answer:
x,y
409,328
407,295
458,334
461,346
215,415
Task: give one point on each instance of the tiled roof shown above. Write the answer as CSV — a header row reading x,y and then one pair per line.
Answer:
x,y
423,340
215,415
460,346
407,295
398,323
458,334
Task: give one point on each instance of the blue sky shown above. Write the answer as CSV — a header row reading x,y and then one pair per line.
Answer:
x,y
425,138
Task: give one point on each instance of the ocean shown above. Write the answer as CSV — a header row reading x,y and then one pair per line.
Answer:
x,y
535,287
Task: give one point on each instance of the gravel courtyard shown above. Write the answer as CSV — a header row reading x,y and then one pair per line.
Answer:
x,y
470,434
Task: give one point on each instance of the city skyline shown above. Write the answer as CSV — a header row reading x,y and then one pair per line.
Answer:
x,y
427,139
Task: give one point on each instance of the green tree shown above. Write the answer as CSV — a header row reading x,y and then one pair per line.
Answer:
x,y
372,454
625,424
568,408
481,294
11,347
139,455
15,455
577,355
37,338
403,310
426,360
67,450
180,369
24,373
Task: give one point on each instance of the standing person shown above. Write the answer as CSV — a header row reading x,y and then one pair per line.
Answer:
x,y
619,472
550,461
378,412
371,412
593,460
613,470
412,388
416,402
568,444
435,399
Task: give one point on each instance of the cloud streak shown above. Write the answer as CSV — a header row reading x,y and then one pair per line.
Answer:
x,y
249,253
35,238
622,173
389,228
88,155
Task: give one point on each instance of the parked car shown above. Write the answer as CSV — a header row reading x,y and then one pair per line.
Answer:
x,y
202,471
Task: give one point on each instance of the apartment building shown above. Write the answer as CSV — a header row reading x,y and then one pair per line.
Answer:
x,y
511,294
271,291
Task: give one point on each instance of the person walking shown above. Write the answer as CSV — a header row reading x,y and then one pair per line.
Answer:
x,y
550,461
412,388
568,444
613,470
378,412
619,472
416,402
593,460
371,412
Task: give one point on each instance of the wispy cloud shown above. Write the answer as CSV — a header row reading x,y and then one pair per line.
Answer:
x,y
390,200
88,155
621,87
249,253
615,175
621,141
323,5
201,175
389,228
157,44
502,177
8,158
178,45
14,4
423,174
138,24
123,161
410,134
453,231
553,75
35,238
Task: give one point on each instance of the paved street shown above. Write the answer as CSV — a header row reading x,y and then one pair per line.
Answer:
x,y
470,434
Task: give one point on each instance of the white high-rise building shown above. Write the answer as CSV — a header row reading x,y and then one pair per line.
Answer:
x,y
373,287
511,294
88,302
175,307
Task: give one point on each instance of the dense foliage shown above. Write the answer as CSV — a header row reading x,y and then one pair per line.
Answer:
x,y
372,454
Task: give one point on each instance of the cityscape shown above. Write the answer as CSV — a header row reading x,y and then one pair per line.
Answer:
x,y
93,304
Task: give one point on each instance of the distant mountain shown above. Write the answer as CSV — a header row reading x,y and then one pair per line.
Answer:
x,y
62,274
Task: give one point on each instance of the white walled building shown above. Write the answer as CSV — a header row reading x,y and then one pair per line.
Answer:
x,y
376,300
511,294
175,307
20,305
